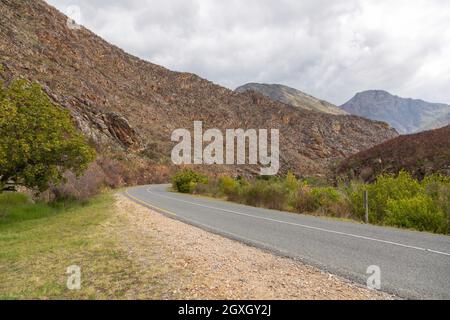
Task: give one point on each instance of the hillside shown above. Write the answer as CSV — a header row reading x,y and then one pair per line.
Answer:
x,y
405,115
292,97
129,107
421,154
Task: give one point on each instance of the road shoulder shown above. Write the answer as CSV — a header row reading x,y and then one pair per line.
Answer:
x,y
214,267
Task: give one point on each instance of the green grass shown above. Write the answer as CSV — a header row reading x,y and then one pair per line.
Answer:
x,y
38,242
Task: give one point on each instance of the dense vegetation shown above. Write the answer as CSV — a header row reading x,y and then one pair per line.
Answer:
x,y
399,201
39,141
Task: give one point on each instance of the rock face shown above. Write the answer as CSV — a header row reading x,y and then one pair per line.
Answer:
x,y
293,97
405,115
421,154
125,104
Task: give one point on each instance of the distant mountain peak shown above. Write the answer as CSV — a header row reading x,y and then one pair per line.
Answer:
x,y
375,92
407,115
291,96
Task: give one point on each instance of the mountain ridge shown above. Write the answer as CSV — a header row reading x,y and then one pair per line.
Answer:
x,y
292,96
129,107
407,115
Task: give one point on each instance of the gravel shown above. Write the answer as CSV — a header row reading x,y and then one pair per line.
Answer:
x,y
202,265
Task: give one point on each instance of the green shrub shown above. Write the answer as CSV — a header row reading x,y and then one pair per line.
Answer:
x,y
304,200
325,196
386,187
419,212
355,195
210,188
438,188
398,200
291,183
389,187
403,201
269,194
330,201
228,186
186,181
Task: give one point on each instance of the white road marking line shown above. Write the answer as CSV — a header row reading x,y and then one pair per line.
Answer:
x,y
208,227
304,226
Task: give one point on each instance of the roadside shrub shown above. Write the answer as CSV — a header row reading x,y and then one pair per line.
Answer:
x,y
186,181
304,201
400,201
385,188
330,201
291,182
228,186
389,187
210,188
79,188
355,195
403,201
438,188
419,212
323,197
275,196
267,194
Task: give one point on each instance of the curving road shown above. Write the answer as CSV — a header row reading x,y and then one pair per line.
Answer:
x,y
413,265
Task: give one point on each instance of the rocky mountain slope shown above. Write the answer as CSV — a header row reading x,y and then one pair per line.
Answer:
x,y
405,115
421,154
129,107
292,97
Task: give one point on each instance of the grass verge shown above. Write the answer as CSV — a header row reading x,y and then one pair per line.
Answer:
x,y
38,242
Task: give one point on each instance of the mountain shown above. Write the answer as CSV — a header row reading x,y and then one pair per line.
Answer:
x,y
129,107
291,96
421,154
440,122
405,115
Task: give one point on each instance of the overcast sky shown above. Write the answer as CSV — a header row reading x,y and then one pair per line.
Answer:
x,y
328,48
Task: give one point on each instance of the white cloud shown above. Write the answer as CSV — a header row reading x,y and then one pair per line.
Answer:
x,y
328,48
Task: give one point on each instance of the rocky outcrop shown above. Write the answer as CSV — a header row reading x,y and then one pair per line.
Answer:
x,y
101,127
405,115
111,127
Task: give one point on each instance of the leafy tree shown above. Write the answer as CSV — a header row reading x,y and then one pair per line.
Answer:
x,y
38,140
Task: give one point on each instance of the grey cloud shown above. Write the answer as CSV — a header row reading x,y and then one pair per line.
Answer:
x,y
328,48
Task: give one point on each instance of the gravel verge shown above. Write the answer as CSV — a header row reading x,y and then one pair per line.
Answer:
x,y
202,265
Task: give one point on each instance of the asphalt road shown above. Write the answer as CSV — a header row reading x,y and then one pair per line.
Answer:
x,y
413,265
